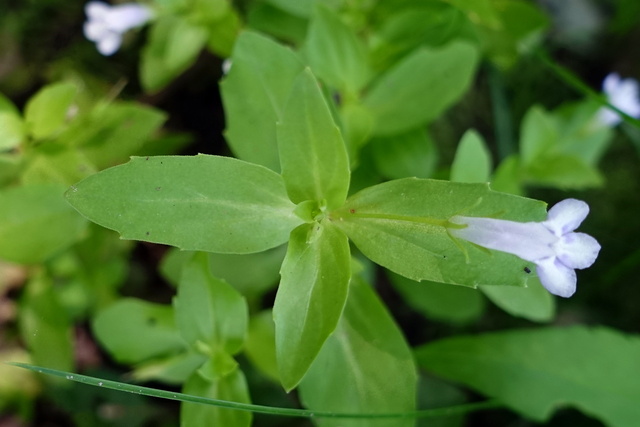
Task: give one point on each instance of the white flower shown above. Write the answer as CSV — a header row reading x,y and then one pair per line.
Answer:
x,y
622,94
552,244
106,24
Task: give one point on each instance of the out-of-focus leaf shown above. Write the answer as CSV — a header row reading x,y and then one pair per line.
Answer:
x,y
50,163
538,135
364,367
45,327
472,162
411,154
269,19
421,87
12,128
173,370
563,171
135,331
174,44
312,293
312,153
401,225
438,301
536,371
260,346
36,222
208,310
46,111
533,303
254,94
208,203
334,52
232,387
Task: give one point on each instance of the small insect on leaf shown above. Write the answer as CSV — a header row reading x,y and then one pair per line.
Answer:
x,y
527,270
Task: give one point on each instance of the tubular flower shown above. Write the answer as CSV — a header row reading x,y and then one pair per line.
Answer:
x,y
106,24
552,244
622,94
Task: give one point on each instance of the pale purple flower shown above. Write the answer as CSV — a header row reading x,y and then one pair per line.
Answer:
x,y
552,244
622,94
106,24
226,66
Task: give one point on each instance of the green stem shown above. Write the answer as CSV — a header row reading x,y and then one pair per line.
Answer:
x,y
289,412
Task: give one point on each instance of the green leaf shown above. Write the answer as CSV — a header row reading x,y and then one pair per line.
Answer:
x,y
36,223
537,371
508,176
563,171
538,135
134,331
472,162
401,226
111,133
173,370
401,31
12,128
51,163
533,303
411,154
334,52
232,387
364,367
223,31
174,44
312,153
311,296
208,203
438,301
260,346
254,94
208,310
302,8
44,326
46,111
421,87
269,19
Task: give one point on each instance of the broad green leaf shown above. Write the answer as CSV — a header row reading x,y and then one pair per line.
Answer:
x,y
36,222
482,12
46,111
134,330
508,176
364,367
577,134
438,301
208,310
254,94
311,296
538,135
410,154
174,44
111,133
533,303
269,19
537,371
472,162
421,87
401,225
52,163
335,54
10,167
232,387
401,31
312,153
222,30
208,203
44,326
12,128
357,123
302,8
563,171
260,346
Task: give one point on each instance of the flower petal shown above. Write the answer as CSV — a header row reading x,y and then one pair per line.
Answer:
x,y
566,216
556,277
109,44
577,250
96,10
127,16
530,241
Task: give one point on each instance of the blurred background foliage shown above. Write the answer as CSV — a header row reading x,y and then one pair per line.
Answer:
x,y
61,290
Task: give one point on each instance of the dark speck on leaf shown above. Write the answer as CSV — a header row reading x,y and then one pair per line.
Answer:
x,y
527,270
158,188
147,158
352,211
151,321
147,233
